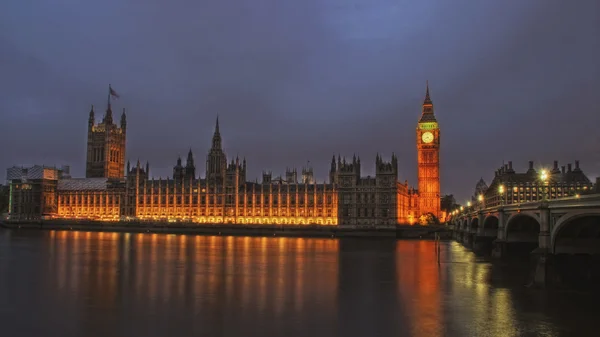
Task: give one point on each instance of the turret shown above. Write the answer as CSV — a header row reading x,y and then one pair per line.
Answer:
x,y
108,118
216,141
307,174
333,171
216,161
189,164
333,166
91,119
123,121
266,177
178,171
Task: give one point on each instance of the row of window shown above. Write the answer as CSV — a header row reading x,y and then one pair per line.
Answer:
x,y
212,190
364,198
367,212
217,200
553,188
88,200
196,212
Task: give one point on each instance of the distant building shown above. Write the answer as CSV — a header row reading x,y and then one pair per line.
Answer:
x,y
480,190
112,191
33,191
528,186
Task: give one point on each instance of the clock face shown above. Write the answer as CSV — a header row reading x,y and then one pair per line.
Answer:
x,y
427,137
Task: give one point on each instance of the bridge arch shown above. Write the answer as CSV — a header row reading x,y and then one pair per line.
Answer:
x,y
577,232
490,225
473,224
523,228
490,221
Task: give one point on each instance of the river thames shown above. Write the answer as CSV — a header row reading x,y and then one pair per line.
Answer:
x,y
60,283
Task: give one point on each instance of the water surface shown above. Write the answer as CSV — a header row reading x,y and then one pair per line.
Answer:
x,y
59,283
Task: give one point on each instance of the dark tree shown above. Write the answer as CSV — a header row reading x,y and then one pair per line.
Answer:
x,y
448,203
3,199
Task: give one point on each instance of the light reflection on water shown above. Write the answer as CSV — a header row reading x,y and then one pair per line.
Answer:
x,y
109,284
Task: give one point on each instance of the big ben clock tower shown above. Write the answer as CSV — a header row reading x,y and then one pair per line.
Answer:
x,y
428,159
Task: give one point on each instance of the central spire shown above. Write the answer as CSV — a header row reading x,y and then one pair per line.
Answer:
x,y
216,141
427,100
427,112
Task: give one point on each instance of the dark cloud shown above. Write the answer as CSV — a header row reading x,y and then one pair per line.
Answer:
x,y
301,80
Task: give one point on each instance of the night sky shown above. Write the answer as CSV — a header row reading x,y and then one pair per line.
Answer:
x,y
294,81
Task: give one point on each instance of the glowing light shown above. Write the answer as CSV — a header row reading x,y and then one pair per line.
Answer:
x,y
544,175
480,198
468,204
501,189
461,208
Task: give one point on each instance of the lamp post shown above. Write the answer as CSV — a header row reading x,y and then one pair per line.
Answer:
x,y
501,192
480,200
544,179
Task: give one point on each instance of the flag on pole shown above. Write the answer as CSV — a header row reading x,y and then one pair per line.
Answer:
x,y
113,93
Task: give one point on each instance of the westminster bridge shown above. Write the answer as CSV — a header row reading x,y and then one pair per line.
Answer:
x,y
568,228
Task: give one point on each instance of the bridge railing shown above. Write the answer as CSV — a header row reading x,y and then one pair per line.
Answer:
x,y
585,200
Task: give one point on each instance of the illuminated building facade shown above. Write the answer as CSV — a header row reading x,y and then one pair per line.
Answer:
x,y
90,198
428,159
225,196
111,192
509,187
106,146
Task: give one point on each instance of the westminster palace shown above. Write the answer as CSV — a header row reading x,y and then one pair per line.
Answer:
x,y
114,190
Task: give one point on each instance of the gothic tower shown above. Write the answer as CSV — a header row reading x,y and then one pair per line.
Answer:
x,y
216,161
106,145
190,168
428,159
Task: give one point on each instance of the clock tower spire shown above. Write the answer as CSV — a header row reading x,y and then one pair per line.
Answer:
x,y
428,159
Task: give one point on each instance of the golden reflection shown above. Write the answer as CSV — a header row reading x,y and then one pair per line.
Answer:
x,y
418,280
273,276
165,278
182,267
151,266
84,265
279,276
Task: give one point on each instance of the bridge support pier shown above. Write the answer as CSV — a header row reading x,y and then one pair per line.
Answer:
x,y
543,272
461,237
500,248
468,239
483,244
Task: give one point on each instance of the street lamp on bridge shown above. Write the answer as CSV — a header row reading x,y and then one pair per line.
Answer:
x,y
501,192
544,179
480,200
